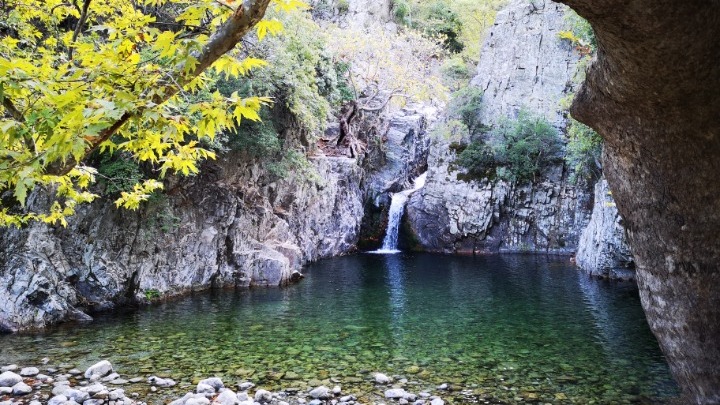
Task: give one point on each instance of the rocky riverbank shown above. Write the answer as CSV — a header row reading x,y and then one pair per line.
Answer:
x,y
101,384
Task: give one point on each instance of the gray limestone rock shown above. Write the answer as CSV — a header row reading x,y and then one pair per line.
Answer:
x,y
603,250
321,392
21,389
99,369
29,372
9,379
524,64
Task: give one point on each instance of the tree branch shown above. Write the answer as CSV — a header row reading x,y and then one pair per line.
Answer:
x,y
14,112
78,27
223,40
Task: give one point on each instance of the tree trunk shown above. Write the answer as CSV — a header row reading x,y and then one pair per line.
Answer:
x,y
654,95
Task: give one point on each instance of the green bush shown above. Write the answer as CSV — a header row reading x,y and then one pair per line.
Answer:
x,y
524,147
478,158
465,105
343,6
401,11
584,152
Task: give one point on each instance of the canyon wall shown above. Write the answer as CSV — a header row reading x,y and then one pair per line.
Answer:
x,y
524,65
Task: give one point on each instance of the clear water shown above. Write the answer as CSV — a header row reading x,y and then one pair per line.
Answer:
x,y
498,329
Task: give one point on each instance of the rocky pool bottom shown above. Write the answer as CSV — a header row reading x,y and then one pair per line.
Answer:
x,y
496,329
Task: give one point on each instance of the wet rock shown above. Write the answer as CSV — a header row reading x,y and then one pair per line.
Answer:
x,y
226,397
244,386
203,388
395,393
336,390
21,389
321,392
214,382
263,396
9,379
381,378
437,401
117,394
10,367
58,400
29,372
76,395
100,370
162,382
110,377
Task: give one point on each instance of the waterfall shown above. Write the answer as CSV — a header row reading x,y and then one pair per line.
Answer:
x,y
397,208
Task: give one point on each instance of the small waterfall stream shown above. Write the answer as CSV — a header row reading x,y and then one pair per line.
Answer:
x,y
397,209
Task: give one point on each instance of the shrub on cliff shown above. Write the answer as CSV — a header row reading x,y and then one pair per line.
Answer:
x,y
523,147
518,149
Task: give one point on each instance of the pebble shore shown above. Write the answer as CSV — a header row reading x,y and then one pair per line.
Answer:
x,y
100,384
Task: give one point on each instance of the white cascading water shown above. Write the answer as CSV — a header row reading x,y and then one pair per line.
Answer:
x,y
397,208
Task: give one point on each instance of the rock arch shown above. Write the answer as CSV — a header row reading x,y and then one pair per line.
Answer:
x,y
653,93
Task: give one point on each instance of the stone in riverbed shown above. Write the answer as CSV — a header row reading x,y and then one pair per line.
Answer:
x,y
197,401
29,372
381,378
226,397
214,382
21,389
11,367
203,388
244,386
321,392
161,382
76,395
437,401
263,396
9,379
395,393
110,377
100,369
58,400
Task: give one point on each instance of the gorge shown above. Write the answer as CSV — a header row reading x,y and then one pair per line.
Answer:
x,y
485,325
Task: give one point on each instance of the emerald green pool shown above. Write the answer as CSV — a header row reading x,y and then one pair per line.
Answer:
x,y
498,329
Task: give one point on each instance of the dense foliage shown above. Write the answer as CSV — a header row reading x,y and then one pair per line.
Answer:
x,y
118,77
517,149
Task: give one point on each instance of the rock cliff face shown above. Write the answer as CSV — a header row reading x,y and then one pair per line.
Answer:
x,y
232,226
662,159
603,250
219,230
523,65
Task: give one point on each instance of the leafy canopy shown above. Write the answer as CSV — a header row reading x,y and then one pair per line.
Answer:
x,y
115,76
